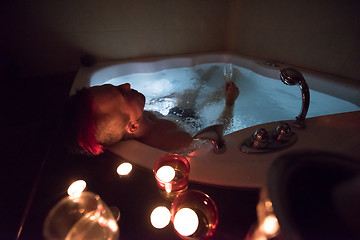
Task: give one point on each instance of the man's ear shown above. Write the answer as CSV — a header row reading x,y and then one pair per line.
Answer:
x,y
131,127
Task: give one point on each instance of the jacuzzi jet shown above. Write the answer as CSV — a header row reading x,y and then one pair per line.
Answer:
x,y
291,77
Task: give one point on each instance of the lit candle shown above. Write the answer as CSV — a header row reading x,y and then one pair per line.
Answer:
x,y
166,173
160,217
186,222
270,225
124,169
76,188
171,173
112,225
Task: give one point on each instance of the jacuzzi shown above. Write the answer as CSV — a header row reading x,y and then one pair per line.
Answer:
x,y
327,128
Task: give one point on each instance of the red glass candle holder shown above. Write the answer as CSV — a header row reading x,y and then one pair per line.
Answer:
x,y
194,215
172,174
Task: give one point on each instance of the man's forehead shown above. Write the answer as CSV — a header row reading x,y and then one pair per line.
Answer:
x,y
103,89
106,96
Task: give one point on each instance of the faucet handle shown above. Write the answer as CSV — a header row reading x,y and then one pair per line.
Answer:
x,y
214,134
262,142
282,133
260,139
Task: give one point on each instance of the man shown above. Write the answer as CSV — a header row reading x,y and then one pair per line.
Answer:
x,y
103,115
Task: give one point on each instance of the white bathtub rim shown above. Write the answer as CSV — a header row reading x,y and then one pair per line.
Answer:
x,y
237,169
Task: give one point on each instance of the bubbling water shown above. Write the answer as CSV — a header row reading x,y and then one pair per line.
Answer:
x,y
200,90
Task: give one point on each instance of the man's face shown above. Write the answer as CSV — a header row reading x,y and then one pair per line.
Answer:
x,y
112,100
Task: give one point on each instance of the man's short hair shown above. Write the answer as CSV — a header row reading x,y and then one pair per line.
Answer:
x,y
79,126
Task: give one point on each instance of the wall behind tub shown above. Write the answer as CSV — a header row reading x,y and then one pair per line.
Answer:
x,y
46,37
43,37
323,35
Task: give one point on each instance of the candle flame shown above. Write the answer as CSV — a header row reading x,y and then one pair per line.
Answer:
x,y
160,217
124,169
76,188
270,225
166,173
186,222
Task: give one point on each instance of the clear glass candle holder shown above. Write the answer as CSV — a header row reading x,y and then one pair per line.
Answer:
x,y
172,174
82,216
194,215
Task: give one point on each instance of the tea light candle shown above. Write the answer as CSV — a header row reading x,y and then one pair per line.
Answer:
x,y
160,217
165,173
194,215
186,222
124,169
171,173
76,188
270,225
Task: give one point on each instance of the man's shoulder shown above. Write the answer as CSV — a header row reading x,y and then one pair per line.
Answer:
x,y
153,114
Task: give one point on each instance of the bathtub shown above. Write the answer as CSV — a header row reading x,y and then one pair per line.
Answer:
x,y
234,168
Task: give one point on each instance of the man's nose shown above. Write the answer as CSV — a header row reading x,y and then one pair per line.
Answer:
x,y
125,86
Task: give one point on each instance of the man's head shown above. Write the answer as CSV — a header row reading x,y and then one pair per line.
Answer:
x,y
103,115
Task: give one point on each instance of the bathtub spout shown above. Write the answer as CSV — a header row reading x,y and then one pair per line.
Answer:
x,y
291,76
214,134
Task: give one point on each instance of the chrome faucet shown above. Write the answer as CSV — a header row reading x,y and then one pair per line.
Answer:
x,y
291,76
214,134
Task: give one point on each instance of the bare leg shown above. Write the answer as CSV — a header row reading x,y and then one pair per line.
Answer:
x,y
231,94
188,98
